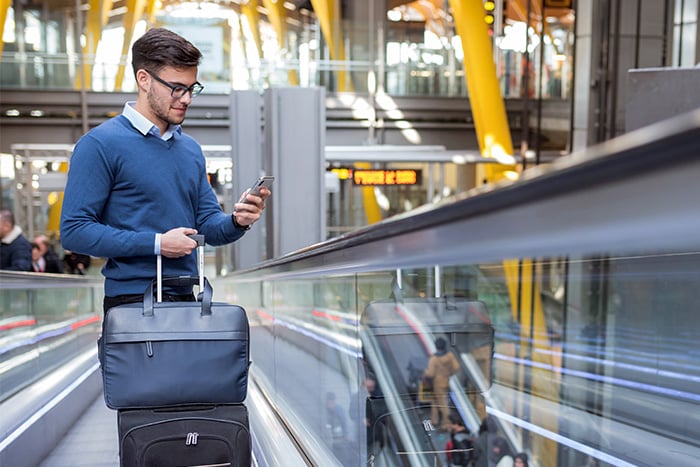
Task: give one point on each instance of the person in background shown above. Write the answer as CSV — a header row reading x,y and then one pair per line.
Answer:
x,y
337,428
460,447
51,261
481,446
370,417
15,249
76,263
520,460
137,184
500,453
441,366
38,264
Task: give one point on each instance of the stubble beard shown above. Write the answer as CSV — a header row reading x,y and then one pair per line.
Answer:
x,y
161,108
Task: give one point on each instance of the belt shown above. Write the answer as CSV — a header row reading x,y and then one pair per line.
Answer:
x,y
167,297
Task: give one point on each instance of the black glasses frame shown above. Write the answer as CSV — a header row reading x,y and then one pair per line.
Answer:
x,y
178,90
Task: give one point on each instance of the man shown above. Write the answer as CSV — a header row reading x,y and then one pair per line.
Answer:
x,y
49,261
38,263
441,366
76,263
137,184
15,249
460,447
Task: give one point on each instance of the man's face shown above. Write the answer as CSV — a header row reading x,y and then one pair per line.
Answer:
x,y
5,228
41,242
162,106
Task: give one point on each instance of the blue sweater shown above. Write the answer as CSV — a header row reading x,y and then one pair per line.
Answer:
x,y
123,188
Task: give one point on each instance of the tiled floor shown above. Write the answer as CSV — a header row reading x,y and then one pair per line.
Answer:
x,y
91,442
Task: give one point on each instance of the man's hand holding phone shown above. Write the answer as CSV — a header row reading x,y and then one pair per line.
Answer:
x,y
251,204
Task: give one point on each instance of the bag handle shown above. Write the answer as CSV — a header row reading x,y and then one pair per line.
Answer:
x,y
200,266
205,295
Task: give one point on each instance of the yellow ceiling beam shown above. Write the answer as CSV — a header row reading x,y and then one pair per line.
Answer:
x,y
431,14
277,15
134,12
493,134
488,107
96,19
152,7
391,4
4,8
250,11
328,14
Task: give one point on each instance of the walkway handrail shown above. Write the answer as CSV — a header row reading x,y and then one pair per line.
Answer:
x,y
627,192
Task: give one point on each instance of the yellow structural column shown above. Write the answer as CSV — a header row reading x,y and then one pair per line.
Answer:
x,y
152,7
134,12
485,97
277,16
4,8
55,200
493,134
328,14
97,17
250,11
369,200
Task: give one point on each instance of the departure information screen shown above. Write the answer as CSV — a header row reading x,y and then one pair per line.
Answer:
x,y
374,177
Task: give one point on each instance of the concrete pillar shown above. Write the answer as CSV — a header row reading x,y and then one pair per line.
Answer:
x,y
246,152
294,152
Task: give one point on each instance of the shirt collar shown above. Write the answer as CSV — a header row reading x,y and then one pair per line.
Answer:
x,y
145,126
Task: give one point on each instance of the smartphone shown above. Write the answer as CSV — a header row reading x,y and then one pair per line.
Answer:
x,y
264,181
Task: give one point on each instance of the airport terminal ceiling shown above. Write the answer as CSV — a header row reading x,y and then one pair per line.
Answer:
x,y
409,10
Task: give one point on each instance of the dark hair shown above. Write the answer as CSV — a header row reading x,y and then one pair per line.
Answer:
x,y
523,457
503,448
440,343
7,216
456,419
159,48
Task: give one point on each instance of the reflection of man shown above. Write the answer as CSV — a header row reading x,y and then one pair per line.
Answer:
x,y
441,366
374,409
335,421
337,430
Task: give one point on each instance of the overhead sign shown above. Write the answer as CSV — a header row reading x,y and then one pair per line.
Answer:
x,y
386,177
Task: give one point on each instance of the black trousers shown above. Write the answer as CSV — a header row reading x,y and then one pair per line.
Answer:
x,y
110,302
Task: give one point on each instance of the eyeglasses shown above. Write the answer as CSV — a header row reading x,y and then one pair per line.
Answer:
x,y
178,90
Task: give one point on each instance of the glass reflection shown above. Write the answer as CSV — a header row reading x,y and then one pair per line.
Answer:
x,y
572,361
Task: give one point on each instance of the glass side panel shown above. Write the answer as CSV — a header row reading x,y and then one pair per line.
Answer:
x,y
571,361
43,328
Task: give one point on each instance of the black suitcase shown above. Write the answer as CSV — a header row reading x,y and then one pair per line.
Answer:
x,y
216,435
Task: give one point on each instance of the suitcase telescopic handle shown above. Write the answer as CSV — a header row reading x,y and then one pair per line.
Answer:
x,y
204,304
200,257
199,238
